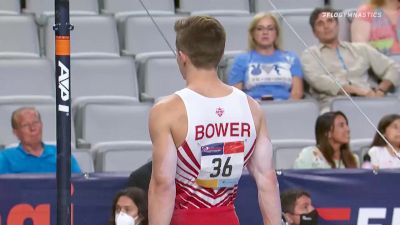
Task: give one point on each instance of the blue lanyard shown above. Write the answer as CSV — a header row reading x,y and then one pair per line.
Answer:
x,y
341,59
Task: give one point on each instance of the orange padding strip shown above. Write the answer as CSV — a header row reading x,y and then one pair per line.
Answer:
x,y
62,45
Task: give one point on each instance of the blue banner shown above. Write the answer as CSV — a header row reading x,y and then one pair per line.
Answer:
x,y
342,197
32,199
345,197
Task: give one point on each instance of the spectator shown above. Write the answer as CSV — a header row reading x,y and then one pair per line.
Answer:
x,y
297,208
141,177
195,174
267,71
31,155
347,62
129,207
332,150
376,23
382,155
367,162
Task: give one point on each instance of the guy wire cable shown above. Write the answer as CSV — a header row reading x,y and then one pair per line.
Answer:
x,y
333,78
158,28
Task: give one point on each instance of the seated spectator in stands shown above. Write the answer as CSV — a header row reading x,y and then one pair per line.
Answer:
x,y
141,177
31,155
332,150
377,23
347,62
297,208
267,71
381,153
130,207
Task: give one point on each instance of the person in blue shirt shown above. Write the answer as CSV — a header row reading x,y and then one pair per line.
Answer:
x,y
267,70
31,155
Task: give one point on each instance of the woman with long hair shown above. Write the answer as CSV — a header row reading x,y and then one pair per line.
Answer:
x,y
332,135
383,156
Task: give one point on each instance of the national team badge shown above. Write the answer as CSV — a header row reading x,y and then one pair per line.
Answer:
x,y
219,111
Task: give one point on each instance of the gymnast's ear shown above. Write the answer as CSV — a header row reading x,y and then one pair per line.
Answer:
x,y
182,57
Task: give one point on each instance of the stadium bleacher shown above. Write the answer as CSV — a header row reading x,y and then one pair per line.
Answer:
x,y
105,122
214,6
121,64
19,38
10,7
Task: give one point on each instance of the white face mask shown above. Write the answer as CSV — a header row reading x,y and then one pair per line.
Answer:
x,y
122,218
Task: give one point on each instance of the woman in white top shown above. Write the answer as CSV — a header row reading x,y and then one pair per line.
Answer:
x,y
332,150
382,155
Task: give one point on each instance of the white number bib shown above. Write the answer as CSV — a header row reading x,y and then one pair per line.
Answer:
x,y
221,164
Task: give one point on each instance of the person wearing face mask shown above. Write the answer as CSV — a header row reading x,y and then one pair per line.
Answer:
x,y
129,207
297,208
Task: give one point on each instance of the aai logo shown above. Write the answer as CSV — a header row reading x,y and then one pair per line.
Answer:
x,y
63,85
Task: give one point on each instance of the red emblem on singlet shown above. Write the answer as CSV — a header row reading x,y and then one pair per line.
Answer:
x,y
219,111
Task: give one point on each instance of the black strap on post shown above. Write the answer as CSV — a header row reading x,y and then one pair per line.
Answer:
x,y
62,30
